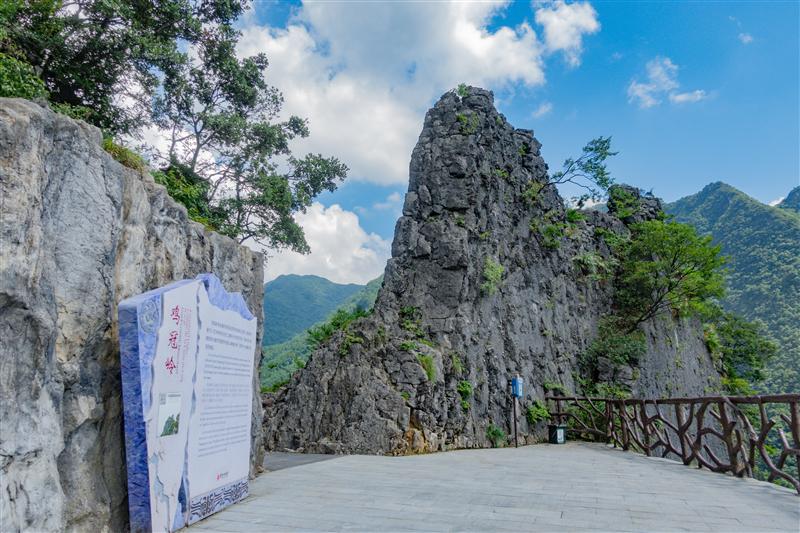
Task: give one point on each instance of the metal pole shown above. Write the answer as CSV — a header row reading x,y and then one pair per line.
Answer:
x,y
516,439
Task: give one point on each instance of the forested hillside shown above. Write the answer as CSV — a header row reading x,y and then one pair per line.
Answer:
x,y
293,303
763,247
792,201
282,359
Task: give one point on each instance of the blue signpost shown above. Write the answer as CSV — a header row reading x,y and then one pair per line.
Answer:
x,y
516,387
516,393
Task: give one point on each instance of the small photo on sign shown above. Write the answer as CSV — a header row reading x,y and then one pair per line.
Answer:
x,y
169,414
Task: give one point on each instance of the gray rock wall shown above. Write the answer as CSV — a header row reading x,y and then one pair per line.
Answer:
x,y
78,233
368,391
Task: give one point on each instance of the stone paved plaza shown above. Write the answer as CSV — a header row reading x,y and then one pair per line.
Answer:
x,y
574,487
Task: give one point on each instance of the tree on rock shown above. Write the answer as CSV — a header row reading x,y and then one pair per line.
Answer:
x,y
587,171
124,65
667,266
226,140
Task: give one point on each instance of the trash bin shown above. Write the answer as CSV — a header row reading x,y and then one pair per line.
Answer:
x,y
558,433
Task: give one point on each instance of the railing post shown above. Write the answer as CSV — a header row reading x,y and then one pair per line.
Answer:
x,y
697,445
626,438
794,414
681,419
645,428
560,415
727,437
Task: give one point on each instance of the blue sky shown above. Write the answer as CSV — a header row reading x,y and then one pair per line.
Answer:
x,y
690,92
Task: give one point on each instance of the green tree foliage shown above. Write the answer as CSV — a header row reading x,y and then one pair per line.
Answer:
x,y
189,189
492,276
588,171
411,320
554,388
743,348
18,80
763,246
622,202
125,156
495,435
282,360
464,389
613,342
222,115
340,320
93,53
595,266
667,266
456,363
427,364
536,412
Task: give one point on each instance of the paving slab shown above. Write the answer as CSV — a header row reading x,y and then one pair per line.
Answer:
x,y
280,460
572,487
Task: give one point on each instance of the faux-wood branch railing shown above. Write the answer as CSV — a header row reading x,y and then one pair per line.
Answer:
x,y
736,434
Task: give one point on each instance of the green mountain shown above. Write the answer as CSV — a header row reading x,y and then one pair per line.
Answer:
x,y
294,303
763,247
792,200
284,359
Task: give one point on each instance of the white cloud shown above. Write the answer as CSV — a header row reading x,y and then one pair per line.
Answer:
x,y
564,26
341,250
662,80
662,76
442,43
543,109
393,201
691,96
349,116
744,37
776,201
663,73
642,93
572,202
365,73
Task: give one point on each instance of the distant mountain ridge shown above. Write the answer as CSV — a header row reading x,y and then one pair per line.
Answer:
x,y
293,303
762,243
283,359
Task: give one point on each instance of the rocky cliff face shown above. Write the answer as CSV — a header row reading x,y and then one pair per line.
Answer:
x,y
78,233
487,279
